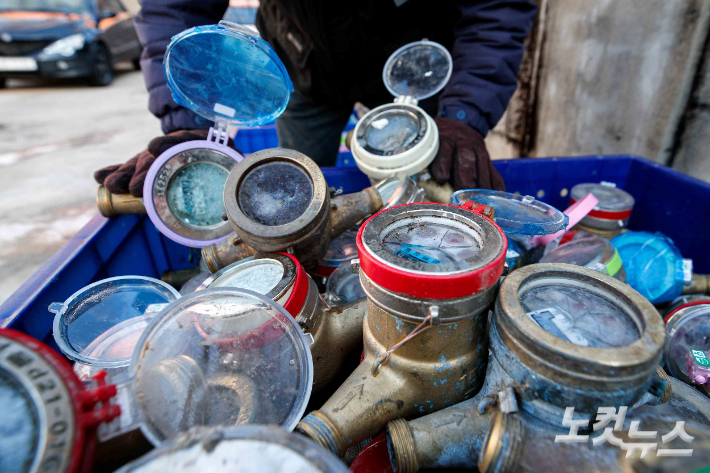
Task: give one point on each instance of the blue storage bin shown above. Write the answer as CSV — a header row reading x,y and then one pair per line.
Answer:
x,y
666,201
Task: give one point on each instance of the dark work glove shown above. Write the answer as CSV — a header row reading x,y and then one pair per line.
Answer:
x,y
462,153
129,177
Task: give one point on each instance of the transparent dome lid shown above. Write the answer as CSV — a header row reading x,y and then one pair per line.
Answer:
x,y
590,251
653,264
227,73
578,315
224,356
610,197
418,70
689,332
275,193
341,249
344,285
100,324
515,214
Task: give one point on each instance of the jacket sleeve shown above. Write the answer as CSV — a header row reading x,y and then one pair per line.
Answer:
x,y
487,53
156,23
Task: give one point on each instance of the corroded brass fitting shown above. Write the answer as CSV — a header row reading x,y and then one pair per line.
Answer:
x,y
112,205
179,277
700,284
225,252
277,200
435,369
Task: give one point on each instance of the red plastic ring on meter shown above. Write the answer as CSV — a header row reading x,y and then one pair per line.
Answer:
x,y
689,304
295,301
431,286
607,214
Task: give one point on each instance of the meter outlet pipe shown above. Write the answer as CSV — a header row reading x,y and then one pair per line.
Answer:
x,y
336,329
277,200
225,252
49,417
429,272
112,205
562,337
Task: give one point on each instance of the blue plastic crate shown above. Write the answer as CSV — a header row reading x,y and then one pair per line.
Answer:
x,y
249,140
666,201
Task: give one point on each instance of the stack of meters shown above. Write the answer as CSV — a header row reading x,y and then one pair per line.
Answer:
x,y
688,329
233,449
654,265
334,332
611,215
228,75
400,138
49,417
98,326
590,251
520,217
218,357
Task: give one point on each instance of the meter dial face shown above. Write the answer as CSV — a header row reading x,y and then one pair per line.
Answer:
x,y
195,194
19,426
268,274
579,316
394,130
275,193
432,240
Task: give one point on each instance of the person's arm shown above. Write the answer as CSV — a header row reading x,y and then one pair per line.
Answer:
x,y
487,53
157,22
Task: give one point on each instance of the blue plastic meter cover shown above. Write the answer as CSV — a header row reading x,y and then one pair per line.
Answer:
x,y
654,266
227,73
516,214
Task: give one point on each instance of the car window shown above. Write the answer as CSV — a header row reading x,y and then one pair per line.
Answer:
x,y
69,6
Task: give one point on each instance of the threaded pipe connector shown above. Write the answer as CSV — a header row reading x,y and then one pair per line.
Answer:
x,y
319,428
668,390
400,444
209,256
103,202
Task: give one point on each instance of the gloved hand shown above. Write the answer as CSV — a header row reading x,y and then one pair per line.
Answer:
x,y
462,153
129,177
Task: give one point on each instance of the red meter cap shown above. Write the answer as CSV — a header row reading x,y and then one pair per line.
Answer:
x,y
49,415
614,203
432,251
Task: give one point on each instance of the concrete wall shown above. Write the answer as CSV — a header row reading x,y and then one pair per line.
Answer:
x,y
613,77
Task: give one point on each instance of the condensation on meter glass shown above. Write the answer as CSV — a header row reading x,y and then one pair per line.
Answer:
x,y
275,193
195,192
579,316
432,240
258,275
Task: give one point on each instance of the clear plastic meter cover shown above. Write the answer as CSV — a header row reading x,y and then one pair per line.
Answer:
x,y
344,285
341,249
275,193
226,72
100,324
691,331
515,214
224,356
591,251
418,70
578,315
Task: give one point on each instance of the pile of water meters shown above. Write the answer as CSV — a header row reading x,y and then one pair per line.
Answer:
x,y
374,330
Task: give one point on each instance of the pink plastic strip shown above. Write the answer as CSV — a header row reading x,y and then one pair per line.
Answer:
x,y
576,212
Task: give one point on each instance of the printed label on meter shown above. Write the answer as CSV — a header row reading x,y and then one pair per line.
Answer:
x,y
559,325
700,357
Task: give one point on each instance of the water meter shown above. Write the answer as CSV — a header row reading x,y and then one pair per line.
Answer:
x,y
223,356
343,286
228,75
590,251
232,449
98,326
611,214
400,138
429,272
49,416
688,329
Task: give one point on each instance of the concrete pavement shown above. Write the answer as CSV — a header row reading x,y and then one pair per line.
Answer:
x,y
52,139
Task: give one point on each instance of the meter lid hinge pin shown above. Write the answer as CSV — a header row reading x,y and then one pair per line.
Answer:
x,y
219,133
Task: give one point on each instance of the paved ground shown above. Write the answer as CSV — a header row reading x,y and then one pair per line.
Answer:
x,y
52,138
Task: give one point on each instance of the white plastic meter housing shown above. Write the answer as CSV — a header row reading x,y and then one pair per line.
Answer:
x,y
400,138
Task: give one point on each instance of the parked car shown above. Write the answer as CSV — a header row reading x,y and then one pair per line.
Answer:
x,y
65,38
